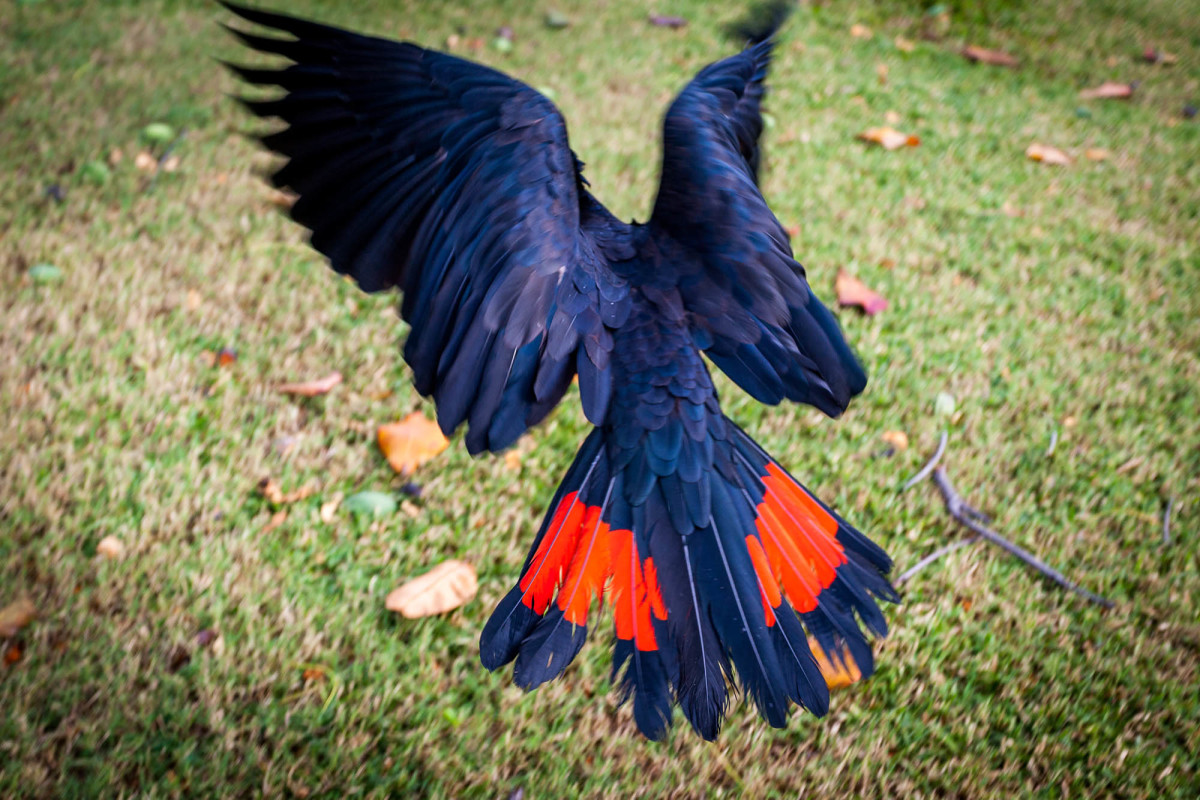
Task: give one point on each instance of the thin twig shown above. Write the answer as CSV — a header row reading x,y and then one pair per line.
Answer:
x,y
932,557
1167,521
968,516
928,468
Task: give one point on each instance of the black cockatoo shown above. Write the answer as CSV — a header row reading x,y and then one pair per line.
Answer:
x,y
455,183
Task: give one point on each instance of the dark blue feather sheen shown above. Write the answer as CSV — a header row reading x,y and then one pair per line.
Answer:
x,y
553,642
748,300
455,183
646,676
512,620
832,622
729,586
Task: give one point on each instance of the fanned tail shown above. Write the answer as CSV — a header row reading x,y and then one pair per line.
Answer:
x,y
694,597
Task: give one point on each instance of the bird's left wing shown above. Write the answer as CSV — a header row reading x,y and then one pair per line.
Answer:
x,y
749,305
455,183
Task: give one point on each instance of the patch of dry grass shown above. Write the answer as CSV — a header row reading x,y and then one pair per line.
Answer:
x,y
1044,300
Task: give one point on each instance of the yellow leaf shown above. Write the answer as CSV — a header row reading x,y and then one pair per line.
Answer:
x,y
16,615
1046,154
889,138
837,675
410,443
444,588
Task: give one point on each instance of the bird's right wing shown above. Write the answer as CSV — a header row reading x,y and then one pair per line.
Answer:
x,y
455,183
748,302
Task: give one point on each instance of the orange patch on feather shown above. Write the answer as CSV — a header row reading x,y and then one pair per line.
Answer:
x,y
589,570
635,593
768,587
553,556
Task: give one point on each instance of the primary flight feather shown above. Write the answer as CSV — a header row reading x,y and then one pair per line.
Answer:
x,y
455,184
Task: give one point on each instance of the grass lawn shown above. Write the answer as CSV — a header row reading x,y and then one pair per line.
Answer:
x,y
224,655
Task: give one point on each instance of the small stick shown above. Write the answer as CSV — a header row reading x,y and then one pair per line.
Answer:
x,y
1167,521
928,468
932,557
968,516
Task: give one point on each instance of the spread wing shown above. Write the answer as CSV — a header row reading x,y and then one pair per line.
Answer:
x,y
455,183
750,306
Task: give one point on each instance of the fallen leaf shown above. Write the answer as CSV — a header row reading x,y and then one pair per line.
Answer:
x,y
891,117
889,138
312,388
145,162
859,31
897,439
512,460
837,676
226,357
16,615
271,490
1108,90
792,230
905,45
411,442
329,508
277,519
1046,154
313,674
206,637
12,655
444,588
944,404
1153,55
191,300
374,503
44,273
110,547
1096,154
881,70
664,21
170,164
452,41
981,55
853,292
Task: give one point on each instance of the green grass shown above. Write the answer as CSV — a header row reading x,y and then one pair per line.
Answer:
x,y
1044,299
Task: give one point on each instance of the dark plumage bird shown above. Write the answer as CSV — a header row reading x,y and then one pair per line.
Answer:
x,y
455,184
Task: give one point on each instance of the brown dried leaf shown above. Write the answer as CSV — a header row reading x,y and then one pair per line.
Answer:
x,y
859,31
170,164
888,137
853,292
1108,90
444,588
997,58
12,655
277,519
145,162
897,439
1047,155
512,460
110,547
411,442
312,388
16,615
226,357
329,508
270,489
1096,154
839,675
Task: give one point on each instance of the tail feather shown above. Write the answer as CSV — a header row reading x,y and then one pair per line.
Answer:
x,y
693,599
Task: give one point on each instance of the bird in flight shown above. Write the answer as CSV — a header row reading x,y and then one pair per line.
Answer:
x,y
455,184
